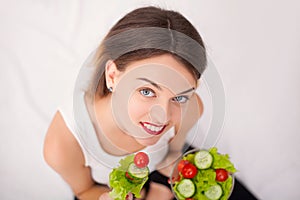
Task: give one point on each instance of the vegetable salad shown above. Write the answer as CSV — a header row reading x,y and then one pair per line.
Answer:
x,y
204,175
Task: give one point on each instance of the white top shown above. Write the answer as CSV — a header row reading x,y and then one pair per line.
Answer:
x,y
102,164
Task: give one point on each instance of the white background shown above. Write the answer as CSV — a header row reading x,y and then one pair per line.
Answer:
x,y
254,44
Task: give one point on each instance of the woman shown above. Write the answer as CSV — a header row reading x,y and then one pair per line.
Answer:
x,y
139,96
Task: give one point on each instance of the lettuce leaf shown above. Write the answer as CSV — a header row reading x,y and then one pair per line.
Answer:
x,y
221,161
120,185
226,187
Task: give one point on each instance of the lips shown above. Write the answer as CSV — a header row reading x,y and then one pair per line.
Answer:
x,y
152,128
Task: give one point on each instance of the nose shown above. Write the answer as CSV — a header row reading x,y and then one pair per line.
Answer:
x,y
160,113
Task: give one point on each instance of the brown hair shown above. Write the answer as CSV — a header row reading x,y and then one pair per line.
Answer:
x,y
142,18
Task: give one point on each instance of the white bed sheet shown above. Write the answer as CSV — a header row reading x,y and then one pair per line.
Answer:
x,y
254,45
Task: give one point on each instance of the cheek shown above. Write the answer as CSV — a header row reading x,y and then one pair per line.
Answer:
x,y
176,114
137,109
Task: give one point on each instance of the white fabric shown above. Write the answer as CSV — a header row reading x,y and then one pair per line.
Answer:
x,y
101,169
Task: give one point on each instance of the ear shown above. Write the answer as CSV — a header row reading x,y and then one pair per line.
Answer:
x,y
111,74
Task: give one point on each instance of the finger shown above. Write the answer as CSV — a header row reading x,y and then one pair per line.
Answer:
x,y
129,196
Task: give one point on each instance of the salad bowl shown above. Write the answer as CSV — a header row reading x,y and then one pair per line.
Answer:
x,y
201,174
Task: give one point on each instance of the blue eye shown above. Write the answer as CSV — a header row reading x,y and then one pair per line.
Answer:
x,y
147,92
181,99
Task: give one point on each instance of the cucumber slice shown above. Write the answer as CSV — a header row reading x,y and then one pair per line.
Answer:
x,y
138,173
186,188
214,192
203,159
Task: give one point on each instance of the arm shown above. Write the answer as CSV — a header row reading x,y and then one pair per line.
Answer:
x,y
64,155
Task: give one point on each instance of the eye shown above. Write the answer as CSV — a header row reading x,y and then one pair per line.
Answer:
x,y
180,99
147,92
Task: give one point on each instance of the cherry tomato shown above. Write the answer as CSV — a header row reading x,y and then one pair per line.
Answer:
x,y
189,199
189,171
221,175
141,160
181,164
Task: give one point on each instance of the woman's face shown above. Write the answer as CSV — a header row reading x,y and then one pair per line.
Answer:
x,y
150,97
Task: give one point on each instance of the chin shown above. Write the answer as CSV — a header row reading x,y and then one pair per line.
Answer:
x,y
148,141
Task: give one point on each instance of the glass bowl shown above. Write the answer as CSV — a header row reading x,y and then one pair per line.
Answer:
x,y
175,176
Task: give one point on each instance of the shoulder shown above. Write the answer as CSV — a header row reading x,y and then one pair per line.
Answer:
x,y
61,149
63,153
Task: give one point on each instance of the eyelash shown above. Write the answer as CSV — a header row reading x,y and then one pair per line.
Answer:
x,y
186,98
175,99
148,90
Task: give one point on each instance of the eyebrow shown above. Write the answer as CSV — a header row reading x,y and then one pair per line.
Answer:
x,y
186,91
151,82
158,87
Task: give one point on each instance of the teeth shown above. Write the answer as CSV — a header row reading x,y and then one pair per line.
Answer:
x,y
157,129
153,128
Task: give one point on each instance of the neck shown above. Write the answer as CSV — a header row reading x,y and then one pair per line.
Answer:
x,y
112,139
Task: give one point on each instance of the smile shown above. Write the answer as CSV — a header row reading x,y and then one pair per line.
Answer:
x,y
152,129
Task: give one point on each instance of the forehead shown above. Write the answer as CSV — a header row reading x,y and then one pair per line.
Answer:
x,y
163,67
154,73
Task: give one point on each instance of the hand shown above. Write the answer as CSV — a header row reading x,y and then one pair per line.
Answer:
x,y
158,191
105,196
129,196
